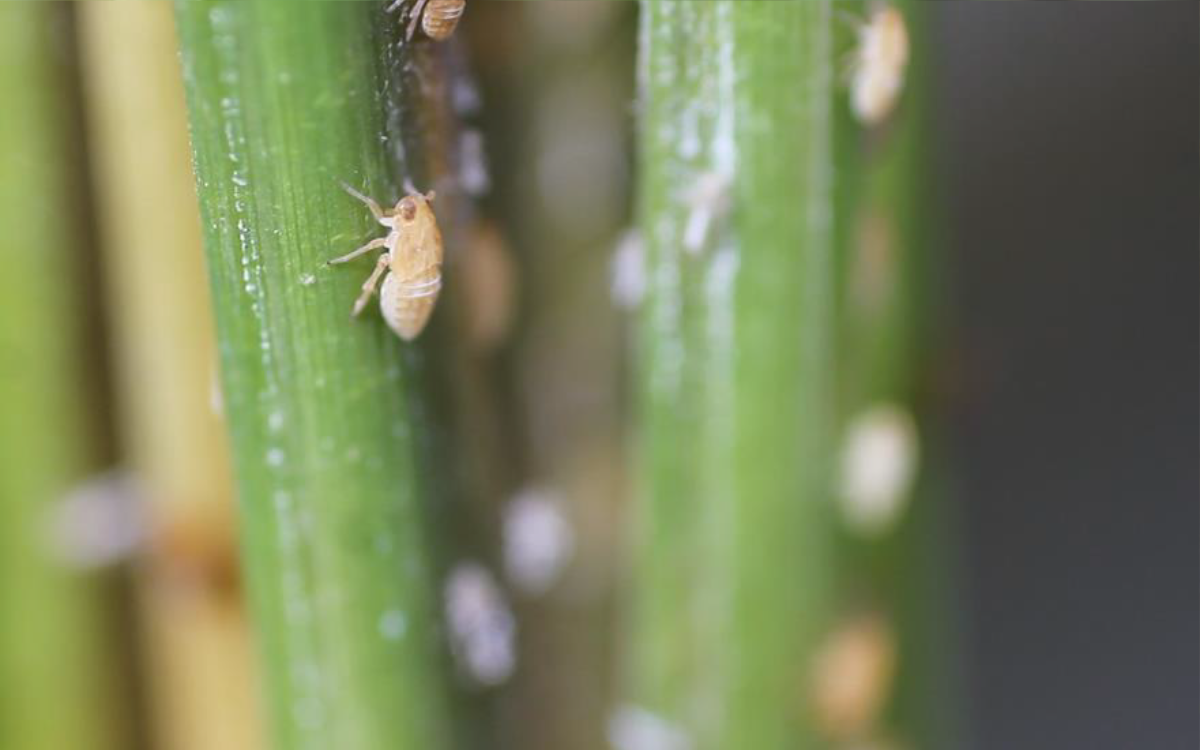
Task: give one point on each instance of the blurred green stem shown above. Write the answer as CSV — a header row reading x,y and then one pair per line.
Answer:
x,y
56,683
887,248
193,640
734,562
285,101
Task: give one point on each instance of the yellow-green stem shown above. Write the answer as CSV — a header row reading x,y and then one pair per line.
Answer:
x,y
56,679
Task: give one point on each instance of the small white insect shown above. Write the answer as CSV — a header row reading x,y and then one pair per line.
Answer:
x,y
878,64
879,462
413,254
709,201
629,270
472,169
538,540
99,522
635,728
482,628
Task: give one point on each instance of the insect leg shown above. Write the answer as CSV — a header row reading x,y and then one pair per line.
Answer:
x,y
368,287
394,5
374,244
376,211
415,18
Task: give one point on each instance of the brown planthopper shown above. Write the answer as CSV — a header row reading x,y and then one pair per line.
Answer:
x,y
413,256
437,18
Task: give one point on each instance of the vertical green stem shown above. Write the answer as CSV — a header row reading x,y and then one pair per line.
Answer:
x,y
285,101
887,247
735,557
56,687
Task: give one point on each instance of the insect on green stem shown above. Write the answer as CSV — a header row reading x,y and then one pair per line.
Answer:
x,y
284,102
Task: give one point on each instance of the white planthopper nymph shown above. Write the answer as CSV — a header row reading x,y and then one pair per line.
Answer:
x,y
878,64
413,255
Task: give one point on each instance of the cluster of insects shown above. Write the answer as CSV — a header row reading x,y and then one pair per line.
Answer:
x,y
437,18
410,264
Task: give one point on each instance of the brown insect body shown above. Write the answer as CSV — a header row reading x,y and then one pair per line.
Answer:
x,y
852,677
437,18
441,17
412,263
410,291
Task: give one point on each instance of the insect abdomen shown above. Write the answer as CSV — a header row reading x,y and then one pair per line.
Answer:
x,y
440,18
407,303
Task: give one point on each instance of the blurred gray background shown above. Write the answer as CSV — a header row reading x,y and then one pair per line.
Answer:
x,y
1073,182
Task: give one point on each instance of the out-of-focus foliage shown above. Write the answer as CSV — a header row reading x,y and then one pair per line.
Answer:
x,y
200,687
58,685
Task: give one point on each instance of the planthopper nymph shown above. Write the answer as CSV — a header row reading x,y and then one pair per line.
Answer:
x,y
877,67
412,260
437,18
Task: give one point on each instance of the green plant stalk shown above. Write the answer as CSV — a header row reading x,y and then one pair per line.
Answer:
x,y
56,686
734,559
286,100
886,174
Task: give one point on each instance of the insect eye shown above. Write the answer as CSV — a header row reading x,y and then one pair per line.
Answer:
x,y
407,209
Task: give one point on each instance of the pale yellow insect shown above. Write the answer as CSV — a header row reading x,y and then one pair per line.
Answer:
x,y
852,677
437,18
877,67
413,255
